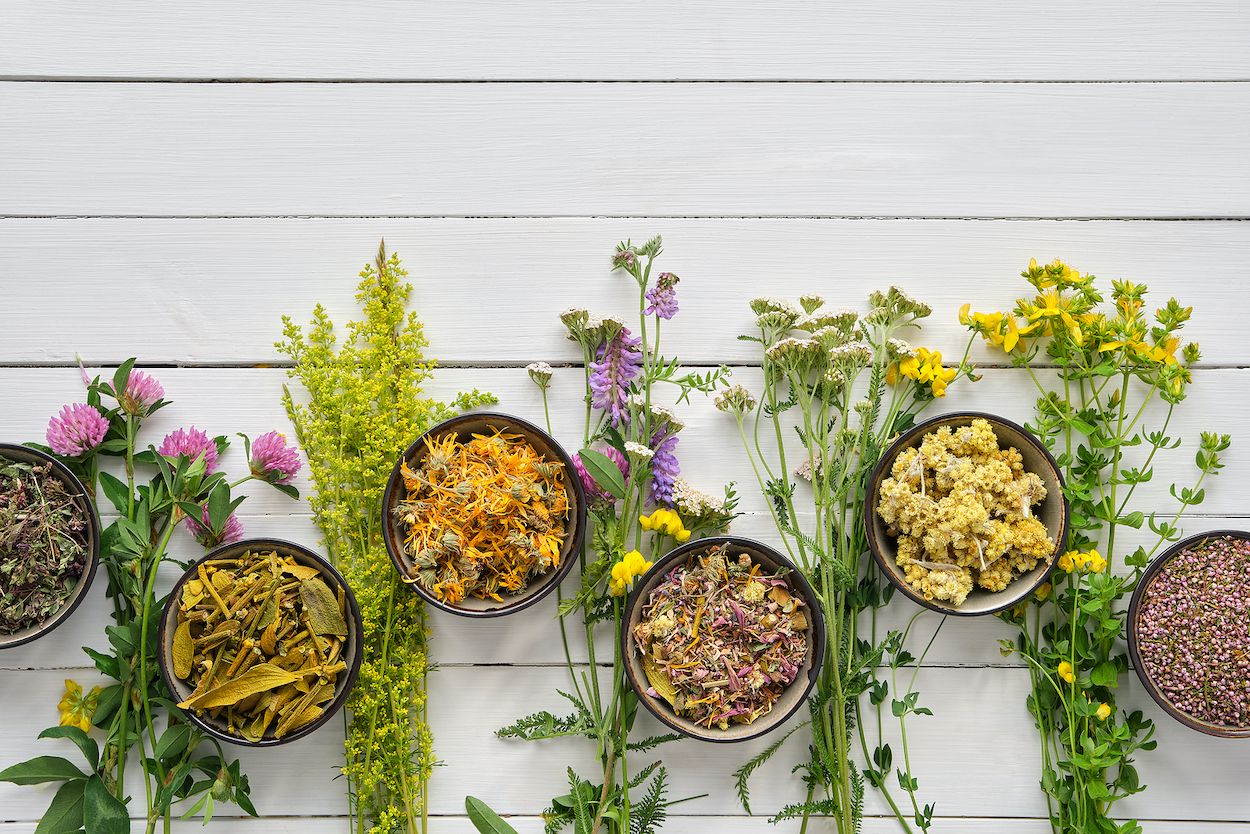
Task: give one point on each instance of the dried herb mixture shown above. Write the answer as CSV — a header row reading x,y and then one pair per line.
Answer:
x,y
721,640
962,509
43,544
483,518
261,640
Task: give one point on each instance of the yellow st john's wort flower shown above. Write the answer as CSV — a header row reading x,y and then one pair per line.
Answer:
x,y
1103,712
1065,671
1051,308
76,708
1000,330
626,571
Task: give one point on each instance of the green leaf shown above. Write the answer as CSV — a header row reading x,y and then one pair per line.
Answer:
x,y
102,812
122,376
604,471
1133,519
116,491
85,743
106,663
41,769
173,741
1104,674
484,819
64,815
218,507
122,638
286,489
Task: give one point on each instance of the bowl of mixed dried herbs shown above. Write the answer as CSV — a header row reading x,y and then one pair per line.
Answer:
x,y
49,544
260,642
484,515
965,513
1189,632
723,639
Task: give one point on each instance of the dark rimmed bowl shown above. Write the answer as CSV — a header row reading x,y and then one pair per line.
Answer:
x,y
1053,513
25,454
351,646
1134,650
464,427
795,694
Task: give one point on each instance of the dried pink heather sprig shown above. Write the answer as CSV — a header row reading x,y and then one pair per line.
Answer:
x,y
78,429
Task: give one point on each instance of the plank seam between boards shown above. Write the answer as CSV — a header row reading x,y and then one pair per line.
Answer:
x,y
24,78
971,218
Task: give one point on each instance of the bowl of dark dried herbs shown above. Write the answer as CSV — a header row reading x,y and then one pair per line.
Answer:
x,y
49,544
260,642
484,515
724,638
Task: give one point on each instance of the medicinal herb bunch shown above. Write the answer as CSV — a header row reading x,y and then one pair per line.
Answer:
x,y
185,485
43,544
629,467
1110,366
365,403
850,384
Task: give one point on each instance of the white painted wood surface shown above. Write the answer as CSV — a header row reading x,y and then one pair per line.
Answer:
x,y
142,213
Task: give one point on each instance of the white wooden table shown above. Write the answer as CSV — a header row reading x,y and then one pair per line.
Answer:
x,y
147,210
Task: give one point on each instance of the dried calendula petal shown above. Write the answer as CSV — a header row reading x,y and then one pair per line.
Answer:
x,y
259,678
322,608
184,651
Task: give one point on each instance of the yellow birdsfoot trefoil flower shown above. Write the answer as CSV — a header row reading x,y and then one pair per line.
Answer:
x,y
1066,672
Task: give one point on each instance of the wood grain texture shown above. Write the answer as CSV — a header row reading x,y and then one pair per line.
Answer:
x,y
994,150
565,39
213,291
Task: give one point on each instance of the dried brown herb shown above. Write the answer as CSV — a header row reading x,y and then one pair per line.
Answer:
x,y
721,640
260,638
43,544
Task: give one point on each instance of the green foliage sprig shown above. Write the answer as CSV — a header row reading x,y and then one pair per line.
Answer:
x,y
1093,412
365,404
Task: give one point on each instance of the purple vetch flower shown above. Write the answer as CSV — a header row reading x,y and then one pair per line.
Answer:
x,y
78,429
271,455
588,483
142,392
664,468
202,530
615,366
662,297
191,442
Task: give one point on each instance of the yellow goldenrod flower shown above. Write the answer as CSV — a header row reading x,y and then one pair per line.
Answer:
x,y
1103,712
1043,591
1066,672
77,709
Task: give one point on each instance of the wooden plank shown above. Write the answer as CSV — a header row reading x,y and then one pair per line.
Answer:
x,y
673,149
973,708
490,39
473,276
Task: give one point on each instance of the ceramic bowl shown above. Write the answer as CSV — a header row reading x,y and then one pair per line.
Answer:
x,y
1134,649
1053,512
25,454
464,427
768,560
351,654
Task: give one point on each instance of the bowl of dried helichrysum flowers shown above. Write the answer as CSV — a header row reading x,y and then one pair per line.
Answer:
x,y
723,638
484,515
965,513
49,544
260,642
1189,632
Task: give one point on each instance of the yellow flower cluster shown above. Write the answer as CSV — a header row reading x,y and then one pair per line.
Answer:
x,y
962,511
665,521
1090,561
76,708
1066,672
624,572
924,366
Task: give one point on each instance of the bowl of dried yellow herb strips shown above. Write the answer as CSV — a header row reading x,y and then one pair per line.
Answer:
x,y
724,638
484,515
965,513
49,544
260,642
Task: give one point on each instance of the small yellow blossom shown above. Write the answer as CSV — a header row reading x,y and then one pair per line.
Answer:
x,y
1103,712
1068,561
1043,591
77,709
665,521
1094,562
924,366
1065,672
626,571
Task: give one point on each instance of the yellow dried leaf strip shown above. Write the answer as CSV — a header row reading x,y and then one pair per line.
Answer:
x,y
483,518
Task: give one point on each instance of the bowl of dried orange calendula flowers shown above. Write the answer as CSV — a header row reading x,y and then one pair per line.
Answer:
x,y
482,516
724,639
966,513
260,642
